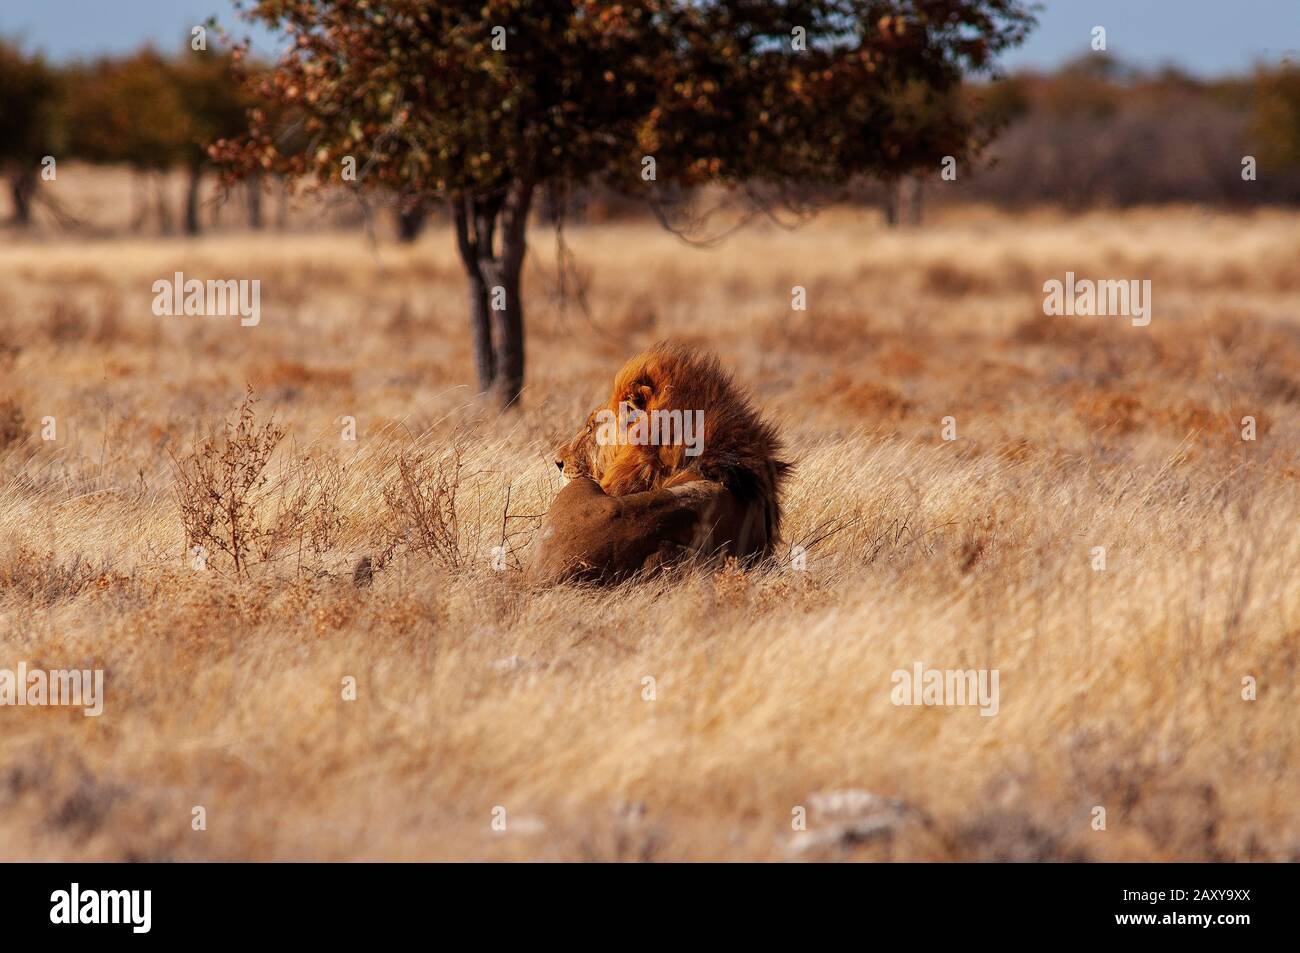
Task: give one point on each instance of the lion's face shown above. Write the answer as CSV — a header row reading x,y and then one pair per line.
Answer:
x,y
580,456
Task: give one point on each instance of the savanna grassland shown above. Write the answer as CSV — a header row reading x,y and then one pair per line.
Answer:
x,y
1120,688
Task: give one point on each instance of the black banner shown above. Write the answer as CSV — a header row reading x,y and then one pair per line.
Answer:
x,y
140,903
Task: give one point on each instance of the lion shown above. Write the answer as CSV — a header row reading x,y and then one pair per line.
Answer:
x,y
734,456
590,536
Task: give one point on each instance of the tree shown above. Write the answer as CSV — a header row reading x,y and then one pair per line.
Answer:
x,y
926,126
1277,116
154,114
131,111
481,105
30,124
215,106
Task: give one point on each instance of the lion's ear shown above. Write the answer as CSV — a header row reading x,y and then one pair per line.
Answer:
x,y
640,396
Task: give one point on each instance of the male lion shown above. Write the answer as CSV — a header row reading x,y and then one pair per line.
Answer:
x,y
633,503
591,536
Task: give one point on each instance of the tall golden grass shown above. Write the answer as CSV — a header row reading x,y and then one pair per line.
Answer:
x,y
1120,689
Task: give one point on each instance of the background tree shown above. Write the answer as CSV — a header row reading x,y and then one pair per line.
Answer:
x,y
284,125
411,216
31,124
925,123
1277,116
131,111
215,105
480,105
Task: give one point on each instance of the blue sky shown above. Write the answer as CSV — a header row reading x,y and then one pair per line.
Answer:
x,y
1207,37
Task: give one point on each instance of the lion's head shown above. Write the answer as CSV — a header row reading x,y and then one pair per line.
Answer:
x,y
734,445
580,457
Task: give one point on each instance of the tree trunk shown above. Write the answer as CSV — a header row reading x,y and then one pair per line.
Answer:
x,y
891,202
509,319
495,280
163,206
480,327
507,315
22,189
139,200
480,321
255,201
410,220
282,207
192,226
914,200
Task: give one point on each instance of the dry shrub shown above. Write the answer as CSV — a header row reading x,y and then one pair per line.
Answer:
x,y
1120,412
1191,416
66,322
400,323
843,333
1054,330
1017,450
108,328
948,281
9,346
230,504
900,361
866,397
296,374
306,511
324,522
220,484
13,425
37,577
421,503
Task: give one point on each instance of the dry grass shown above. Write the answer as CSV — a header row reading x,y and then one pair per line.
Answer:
x,y
1119,688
